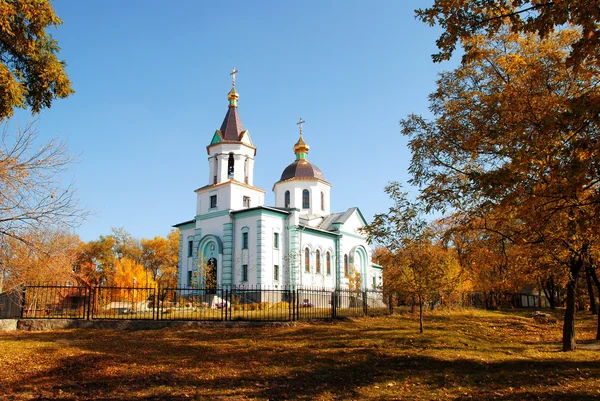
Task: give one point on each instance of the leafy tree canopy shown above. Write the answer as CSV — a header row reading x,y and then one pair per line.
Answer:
x,y
31,75
463,19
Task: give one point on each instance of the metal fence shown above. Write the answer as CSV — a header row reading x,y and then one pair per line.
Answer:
x,y
201,304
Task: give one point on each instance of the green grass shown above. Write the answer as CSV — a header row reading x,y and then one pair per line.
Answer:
x,y
462,355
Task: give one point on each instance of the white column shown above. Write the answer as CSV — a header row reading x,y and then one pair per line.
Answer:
x,y
238,167
250,171
222,167
212,169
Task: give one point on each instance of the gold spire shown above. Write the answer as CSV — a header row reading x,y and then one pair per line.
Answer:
x,y
233,96
301,148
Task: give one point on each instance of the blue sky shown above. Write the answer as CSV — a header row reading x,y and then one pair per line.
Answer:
x,y
151,81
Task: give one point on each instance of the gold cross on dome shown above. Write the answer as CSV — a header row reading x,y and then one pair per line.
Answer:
x,y
300,124
232,74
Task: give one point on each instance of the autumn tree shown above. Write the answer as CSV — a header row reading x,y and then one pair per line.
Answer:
x,y
461,20
97,259
128,273
45,257
160,256
32,195
31,75
511,141
414,264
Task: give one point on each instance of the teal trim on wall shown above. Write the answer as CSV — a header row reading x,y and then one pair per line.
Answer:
x,y
186,226
260,234
338,263
211,238
212,215
259,212
227,277
320,233
294,249
353,235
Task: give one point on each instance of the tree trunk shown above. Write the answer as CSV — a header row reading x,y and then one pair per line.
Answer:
x,y
568,339
588,279
550,291
597,282
420,314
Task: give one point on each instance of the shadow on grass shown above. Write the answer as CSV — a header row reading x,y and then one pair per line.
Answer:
x,y
371,359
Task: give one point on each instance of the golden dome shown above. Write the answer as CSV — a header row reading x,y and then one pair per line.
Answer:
x,y
301,146
233,97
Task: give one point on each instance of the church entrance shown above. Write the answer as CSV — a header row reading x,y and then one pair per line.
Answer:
x,y
211,276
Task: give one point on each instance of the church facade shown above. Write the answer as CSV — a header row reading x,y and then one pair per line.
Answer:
x,y
234,239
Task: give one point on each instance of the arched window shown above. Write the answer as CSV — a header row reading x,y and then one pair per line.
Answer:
x,y
305,199
307,260
287,199
230,166
345,265
323,201
328,261
318,261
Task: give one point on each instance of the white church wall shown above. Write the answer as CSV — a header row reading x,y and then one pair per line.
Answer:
x,y
238,192
259,263
296,187
186,262
314,242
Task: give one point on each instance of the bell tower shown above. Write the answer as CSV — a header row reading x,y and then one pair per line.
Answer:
x,y
231,164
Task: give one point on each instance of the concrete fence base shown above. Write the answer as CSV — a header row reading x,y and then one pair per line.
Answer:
x,y
57,324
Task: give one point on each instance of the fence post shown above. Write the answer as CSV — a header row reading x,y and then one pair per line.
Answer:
x,y
89,301
365,306
333,305
155,303
297,303
225,303
23,294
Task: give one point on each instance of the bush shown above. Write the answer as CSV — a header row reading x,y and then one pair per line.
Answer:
x,y
281,305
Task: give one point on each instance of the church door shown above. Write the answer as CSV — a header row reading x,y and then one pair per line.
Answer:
x,y
211,276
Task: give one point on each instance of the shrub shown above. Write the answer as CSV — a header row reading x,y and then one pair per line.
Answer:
x,y
281,305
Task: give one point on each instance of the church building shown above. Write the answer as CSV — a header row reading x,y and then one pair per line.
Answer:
x,y
234,239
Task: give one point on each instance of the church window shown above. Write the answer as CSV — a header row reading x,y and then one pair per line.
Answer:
x,y
190,248
230,163
374,282
244,272
345,265
189,278
244,240
307,260
246,201
323,201
213,201
328,261
318,261
305,199
276,272
287,199
276,240
214,179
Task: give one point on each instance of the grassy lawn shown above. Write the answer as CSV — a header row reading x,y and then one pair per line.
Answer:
x,y
462,355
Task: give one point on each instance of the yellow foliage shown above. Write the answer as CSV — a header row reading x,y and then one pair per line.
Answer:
x,y
129,272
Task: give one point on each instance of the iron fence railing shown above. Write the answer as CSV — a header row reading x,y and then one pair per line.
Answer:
x,y
243,303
